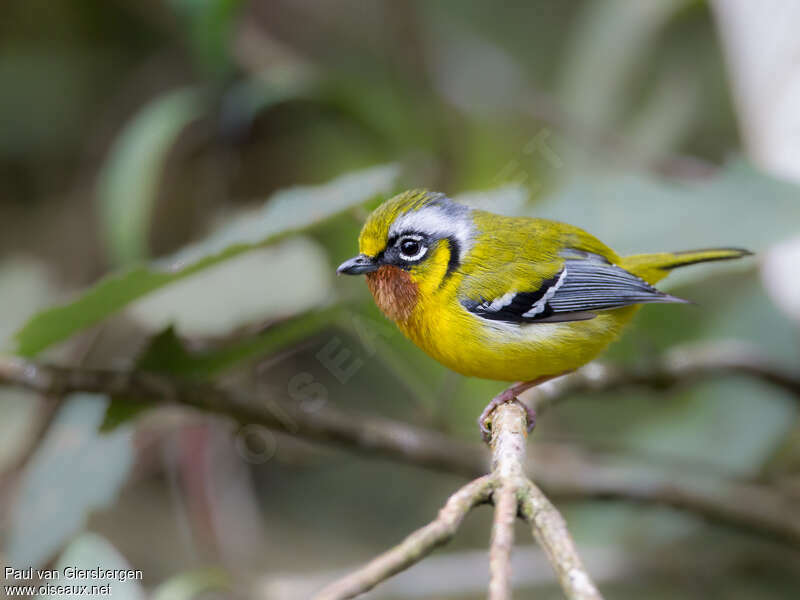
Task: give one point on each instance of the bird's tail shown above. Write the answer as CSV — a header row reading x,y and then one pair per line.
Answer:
x,y
653,267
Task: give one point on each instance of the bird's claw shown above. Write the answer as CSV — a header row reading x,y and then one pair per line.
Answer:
x,y
485,419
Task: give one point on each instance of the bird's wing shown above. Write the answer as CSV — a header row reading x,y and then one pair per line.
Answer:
x,y
580,284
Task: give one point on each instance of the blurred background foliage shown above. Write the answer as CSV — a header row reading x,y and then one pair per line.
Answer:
x,y
179,179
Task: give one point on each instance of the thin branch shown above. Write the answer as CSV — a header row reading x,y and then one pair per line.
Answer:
x,y
502,542
509,424
682,366
512,493
462,572
509,432
375,436
415,547
561,470
550,530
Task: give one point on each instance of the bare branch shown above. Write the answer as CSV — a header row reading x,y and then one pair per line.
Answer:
x,y
563,471
756,507
415,547
502,542
512,493
462,572
509,432
682,366
550,530
509,424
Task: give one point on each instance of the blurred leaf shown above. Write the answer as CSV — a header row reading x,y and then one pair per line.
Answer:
x,y
164,354
121,410
740,206
611,40
245,100
667,117
209,25
74,471
167,354
289,211
716,423
90,551
128,182
186,586
25,286
285,279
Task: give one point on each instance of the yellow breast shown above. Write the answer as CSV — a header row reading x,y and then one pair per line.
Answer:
x,y
496,350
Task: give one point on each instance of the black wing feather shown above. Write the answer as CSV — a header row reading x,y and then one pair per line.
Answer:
x,y
573,294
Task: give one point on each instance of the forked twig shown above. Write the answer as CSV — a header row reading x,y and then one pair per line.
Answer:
x,y
415,547
513,494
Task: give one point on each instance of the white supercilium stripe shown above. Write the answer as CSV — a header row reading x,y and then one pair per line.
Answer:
x,y
437,222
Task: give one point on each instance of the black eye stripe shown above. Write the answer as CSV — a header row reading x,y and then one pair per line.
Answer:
x,y
395,254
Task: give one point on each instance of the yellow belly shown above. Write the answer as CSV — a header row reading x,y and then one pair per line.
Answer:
x,y
477,347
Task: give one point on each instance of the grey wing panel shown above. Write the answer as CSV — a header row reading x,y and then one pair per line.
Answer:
x,y
592,286
573,294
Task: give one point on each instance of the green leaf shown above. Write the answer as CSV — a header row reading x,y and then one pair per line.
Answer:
x,y
121,410
90,551
74,471
128,182
209,25
167,354
266,284
289,211
741,206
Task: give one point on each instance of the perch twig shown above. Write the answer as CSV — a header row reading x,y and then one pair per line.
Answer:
x,y
512,493
509,433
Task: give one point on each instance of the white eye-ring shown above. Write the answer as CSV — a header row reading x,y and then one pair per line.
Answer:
x,y
411,247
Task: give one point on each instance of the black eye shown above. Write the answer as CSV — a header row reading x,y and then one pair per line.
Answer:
x,y
411,248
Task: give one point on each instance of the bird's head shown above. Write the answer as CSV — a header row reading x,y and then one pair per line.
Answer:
x,y
410,245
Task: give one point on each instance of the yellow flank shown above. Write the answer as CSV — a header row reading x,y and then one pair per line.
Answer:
x,y
478,257
443,329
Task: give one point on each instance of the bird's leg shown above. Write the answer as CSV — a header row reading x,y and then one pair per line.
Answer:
x,y
509,395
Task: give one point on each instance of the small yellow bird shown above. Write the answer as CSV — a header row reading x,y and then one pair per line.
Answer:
x,y
505,298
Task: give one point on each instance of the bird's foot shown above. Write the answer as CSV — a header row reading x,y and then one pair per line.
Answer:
x,y
508,395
